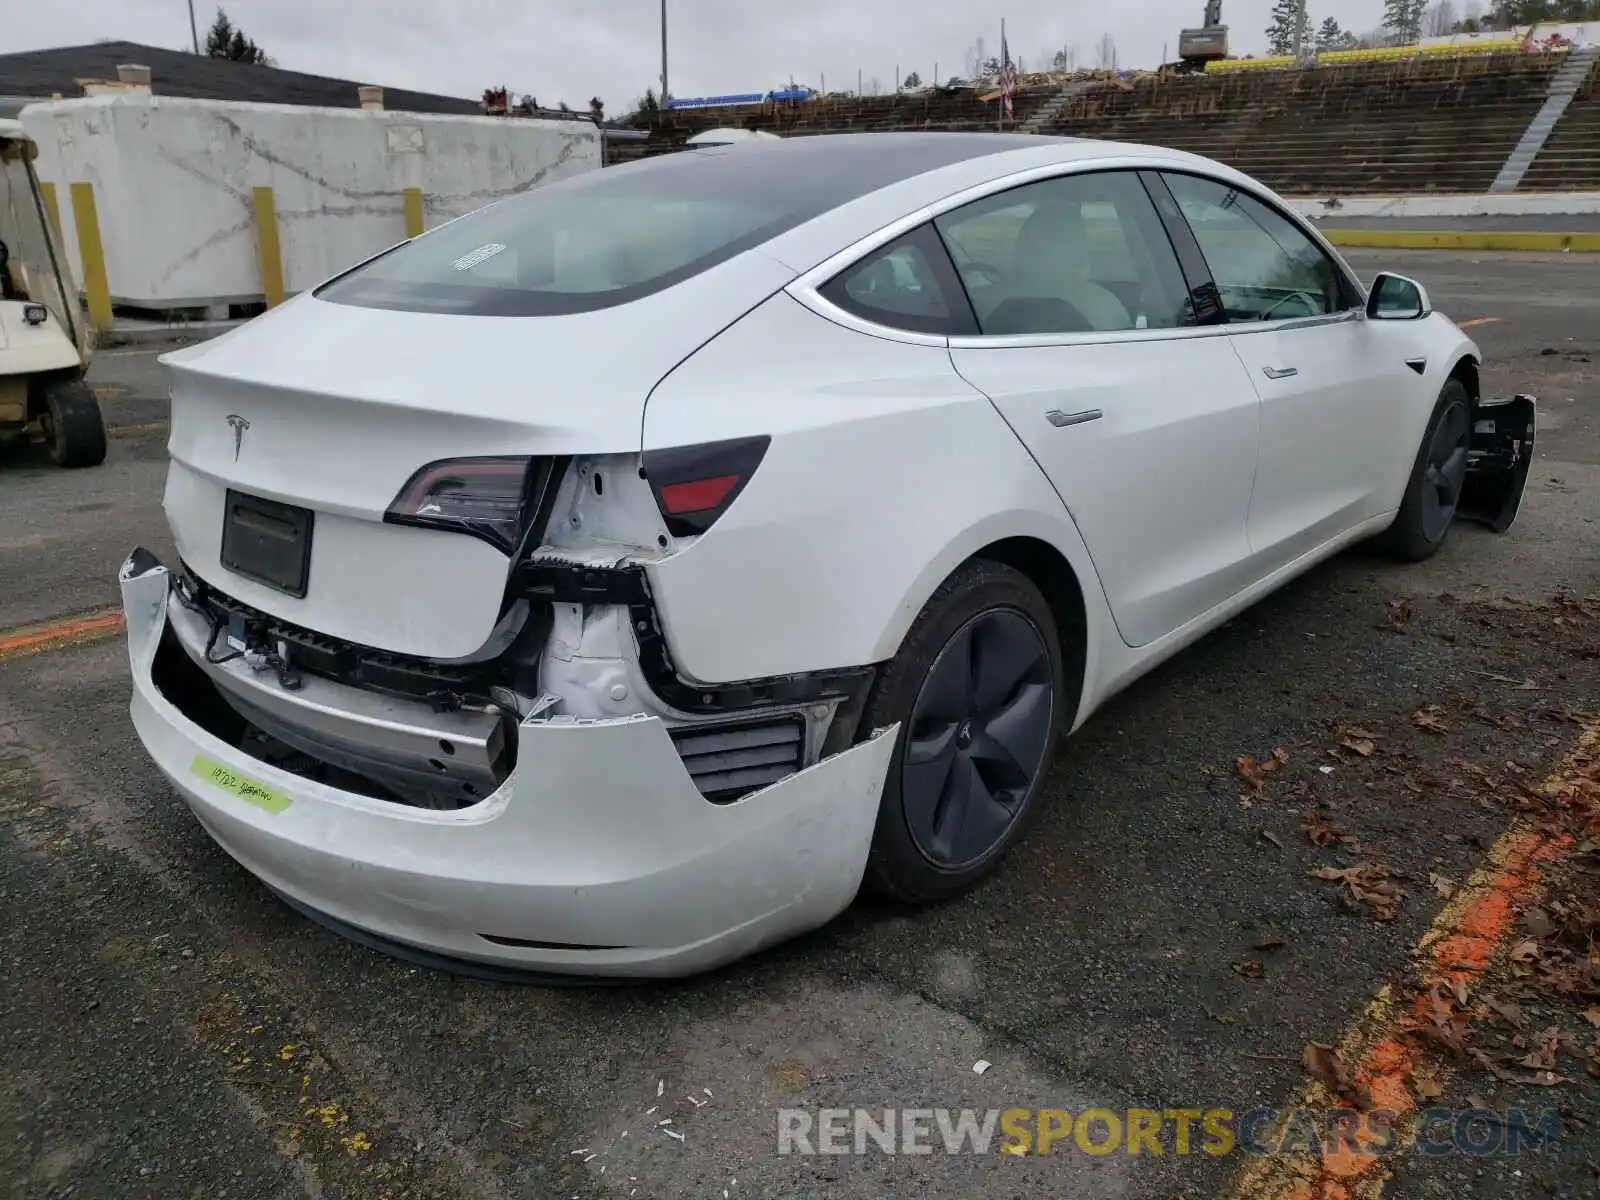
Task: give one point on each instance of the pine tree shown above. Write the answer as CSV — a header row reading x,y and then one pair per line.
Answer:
x,y
225,40
1329,35
1280,34
1403,19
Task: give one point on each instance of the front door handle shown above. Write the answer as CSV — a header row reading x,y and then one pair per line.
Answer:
x,y
1280,372
1061,420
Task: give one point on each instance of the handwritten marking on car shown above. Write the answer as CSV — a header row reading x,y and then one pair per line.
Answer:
x,y
242,786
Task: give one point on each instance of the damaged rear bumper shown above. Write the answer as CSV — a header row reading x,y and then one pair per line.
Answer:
x,y
597,855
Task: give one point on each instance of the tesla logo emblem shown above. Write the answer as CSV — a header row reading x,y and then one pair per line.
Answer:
x,y
238,424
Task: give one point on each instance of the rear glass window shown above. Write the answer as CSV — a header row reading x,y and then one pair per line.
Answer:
x,y
909,284
618,234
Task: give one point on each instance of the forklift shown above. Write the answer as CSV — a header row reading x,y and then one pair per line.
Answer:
x,y
45,341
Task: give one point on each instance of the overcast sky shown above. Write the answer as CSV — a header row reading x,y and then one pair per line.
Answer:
x,y
573,49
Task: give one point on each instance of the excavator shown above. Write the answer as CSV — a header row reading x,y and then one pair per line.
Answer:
x,y
1197,47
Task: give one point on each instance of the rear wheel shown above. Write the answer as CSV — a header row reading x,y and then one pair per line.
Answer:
x,y
72,425
1434,490
978,693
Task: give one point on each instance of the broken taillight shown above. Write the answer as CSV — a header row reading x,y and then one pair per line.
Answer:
x,y
487,498
694,485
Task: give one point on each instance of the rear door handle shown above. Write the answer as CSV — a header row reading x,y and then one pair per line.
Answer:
x,y
1061,420
1280,372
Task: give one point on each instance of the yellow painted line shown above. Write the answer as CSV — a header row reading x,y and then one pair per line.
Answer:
x,y
95,286
267,249
1477,321
137,429
413,206
67,631
1420,239
52,209
1456,948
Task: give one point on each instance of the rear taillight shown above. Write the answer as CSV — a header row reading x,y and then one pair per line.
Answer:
x,y
694,485
487,498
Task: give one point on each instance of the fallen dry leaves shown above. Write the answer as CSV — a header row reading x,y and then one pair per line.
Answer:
x,y
1425,1083
1431,718
1369,885
1322,1063
1257,773
1324,832
1447,1025
1398,612
1358,741
1249,968
1561,954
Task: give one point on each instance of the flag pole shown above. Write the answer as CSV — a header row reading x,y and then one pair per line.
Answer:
x,y
1000,121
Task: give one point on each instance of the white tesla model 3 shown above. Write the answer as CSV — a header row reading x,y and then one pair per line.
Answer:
x,y
612,581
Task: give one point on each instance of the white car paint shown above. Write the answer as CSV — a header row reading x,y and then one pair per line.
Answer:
x,y
847,409
894,458
730,136
1326,431
344,404
690,886
1164,524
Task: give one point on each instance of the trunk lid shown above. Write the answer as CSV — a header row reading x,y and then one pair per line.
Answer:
x,y
333,407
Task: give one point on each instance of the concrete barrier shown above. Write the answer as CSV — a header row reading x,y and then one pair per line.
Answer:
x,y
179,188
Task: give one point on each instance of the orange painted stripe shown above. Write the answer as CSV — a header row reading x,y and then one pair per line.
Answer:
x,y
1463,939
1478,321
66,631
1459,956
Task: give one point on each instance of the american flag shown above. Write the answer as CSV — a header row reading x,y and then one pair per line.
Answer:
x,y
1008,79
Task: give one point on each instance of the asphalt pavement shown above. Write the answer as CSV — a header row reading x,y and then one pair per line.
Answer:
x,y
1158,943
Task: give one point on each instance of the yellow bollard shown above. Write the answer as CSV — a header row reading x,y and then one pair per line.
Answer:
x,y
413,205
96,289
267,247
52,209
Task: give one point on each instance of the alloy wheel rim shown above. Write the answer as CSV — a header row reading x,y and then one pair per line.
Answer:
x,y
1445,472
977,738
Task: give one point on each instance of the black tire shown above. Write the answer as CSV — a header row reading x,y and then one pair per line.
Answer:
x,y
1433,491
993,607
73,428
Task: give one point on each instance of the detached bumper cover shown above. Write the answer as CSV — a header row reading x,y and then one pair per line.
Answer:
x,y
1498,460
596,856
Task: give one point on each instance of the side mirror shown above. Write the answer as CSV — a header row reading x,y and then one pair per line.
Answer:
x,y
1396,298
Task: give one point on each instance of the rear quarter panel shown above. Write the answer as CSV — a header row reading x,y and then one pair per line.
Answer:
x,y
886,471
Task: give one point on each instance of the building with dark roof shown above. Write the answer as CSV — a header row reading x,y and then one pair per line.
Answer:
x,y
40,74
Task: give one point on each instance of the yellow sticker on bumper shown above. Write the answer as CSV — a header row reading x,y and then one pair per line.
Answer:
x,y
242,786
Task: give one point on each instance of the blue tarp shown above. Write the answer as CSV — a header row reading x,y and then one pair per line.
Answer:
x,y
717,101
742,98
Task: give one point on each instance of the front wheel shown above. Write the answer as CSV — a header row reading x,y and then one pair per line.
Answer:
x,y
977,689
1433,491
72,425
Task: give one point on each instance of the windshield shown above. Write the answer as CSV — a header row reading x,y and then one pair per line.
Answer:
x,y
617,234
29,270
